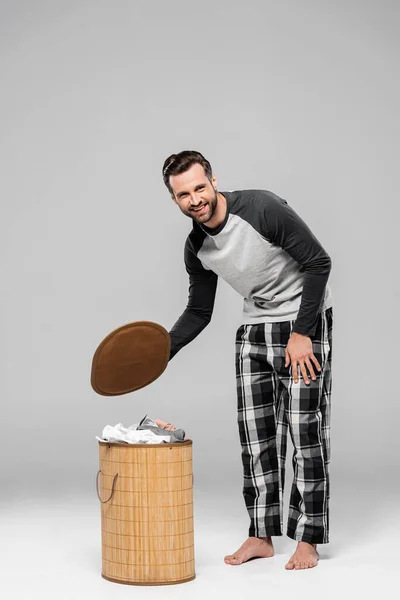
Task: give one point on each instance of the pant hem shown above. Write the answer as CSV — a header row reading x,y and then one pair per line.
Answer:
x,y
264,534
308,539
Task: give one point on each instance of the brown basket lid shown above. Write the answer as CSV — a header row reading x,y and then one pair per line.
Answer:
x,y
130,357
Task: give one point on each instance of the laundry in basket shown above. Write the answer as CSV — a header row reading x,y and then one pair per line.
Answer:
x,y
146,431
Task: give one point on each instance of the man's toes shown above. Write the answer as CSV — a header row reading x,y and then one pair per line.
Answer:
x,y
232,560
228,557
294,563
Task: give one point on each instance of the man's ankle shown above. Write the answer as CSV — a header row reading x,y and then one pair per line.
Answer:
x,y
309,543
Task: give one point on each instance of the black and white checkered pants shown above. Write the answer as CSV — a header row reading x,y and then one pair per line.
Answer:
x,y
270,404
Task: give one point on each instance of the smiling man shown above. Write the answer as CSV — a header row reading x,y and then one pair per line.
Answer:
x,y
256,242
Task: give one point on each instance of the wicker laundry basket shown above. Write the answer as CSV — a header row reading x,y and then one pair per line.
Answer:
x,y
146,494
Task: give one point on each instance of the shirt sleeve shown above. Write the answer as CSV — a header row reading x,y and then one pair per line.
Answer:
x,y
284,227
200,305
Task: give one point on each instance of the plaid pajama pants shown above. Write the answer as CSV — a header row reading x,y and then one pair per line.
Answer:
x,y
269,404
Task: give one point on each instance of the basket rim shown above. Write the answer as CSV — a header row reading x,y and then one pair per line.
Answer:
x,y
145,445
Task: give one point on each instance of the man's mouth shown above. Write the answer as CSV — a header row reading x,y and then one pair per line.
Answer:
x,y
199,210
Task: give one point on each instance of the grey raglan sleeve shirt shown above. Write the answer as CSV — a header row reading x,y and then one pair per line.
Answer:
x,y
277,222
283,226
200,305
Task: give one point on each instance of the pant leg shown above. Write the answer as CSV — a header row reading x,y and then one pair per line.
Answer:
x,y
308,413
262,430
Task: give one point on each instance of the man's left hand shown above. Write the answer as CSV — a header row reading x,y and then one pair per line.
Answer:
x,y
299,352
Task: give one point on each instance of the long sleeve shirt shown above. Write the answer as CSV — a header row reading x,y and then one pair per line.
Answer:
x,y
268,254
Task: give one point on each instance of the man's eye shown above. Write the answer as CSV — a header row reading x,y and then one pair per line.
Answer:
x,y
200,188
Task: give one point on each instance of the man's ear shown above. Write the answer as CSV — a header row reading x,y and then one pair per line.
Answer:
x,y
173,198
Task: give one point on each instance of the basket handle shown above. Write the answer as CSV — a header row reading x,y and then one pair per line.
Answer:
x,y
97,487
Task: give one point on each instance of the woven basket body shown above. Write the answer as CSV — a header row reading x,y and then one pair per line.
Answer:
x,y
146,493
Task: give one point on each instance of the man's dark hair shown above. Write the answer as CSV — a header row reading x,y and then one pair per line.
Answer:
x,y
179,163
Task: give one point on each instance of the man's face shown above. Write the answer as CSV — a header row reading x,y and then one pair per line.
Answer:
x,y
193,190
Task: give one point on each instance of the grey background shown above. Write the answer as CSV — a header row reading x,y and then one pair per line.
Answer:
x,y
299,97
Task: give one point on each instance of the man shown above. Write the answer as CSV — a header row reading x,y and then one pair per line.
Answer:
x,y
257,243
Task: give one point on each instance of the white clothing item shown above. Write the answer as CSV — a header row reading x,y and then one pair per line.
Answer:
x,y
131,435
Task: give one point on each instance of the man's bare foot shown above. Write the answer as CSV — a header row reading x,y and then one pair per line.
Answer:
x,y
304,557
253,547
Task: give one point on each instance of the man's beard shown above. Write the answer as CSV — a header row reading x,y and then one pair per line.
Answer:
x,y
209,211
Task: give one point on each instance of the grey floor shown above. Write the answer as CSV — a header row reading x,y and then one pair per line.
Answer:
x,y
51,546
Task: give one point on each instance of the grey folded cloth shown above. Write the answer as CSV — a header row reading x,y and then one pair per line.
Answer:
x,y
175,436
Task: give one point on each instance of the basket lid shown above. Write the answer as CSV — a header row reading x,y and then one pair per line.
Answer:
x,y
130,357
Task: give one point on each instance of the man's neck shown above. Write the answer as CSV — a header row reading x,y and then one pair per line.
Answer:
x,y
219,214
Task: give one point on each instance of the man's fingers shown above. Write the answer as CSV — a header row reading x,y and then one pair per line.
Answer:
x,y
294,371
302,364
316,363
304,372
310,368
